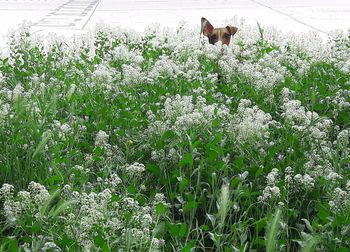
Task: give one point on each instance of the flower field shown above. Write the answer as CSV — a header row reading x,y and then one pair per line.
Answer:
x,y
159,141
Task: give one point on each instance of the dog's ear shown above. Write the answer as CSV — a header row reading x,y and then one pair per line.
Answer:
x,y
232,29
206,27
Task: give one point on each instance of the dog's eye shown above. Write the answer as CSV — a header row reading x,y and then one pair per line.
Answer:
x,y
227,36
213,39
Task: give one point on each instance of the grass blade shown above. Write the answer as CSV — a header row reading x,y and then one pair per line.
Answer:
x,y
48,202
45,138
62,208
271,240
311,244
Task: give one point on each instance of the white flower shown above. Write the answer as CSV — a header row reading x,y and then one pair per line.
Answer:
x,y
159,198
101,139
340,200
343,138
135,168
250,124
38,192
333,176
65,128
17,91
6,191
272,177
50,246
269,193
114,180
158,243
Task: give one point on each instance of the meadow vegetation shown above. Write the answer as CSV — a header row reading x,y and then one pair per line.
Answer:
x,y
158,141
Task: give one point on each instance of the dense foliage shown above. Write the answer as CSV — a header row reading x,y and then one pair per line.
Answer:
x,y
120,141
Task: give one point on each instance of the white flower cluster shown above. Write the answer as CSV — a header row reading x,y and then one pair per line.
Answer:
x,y
112,155
101,139
250,124
318,129
340,199
103,75
127,56
36,196
340,51
62,130
180,114
159,198
132,74
6,191
5,109
17,91
38,192
298,182
343,143
318,132
50,246
170,155
340,100
271,191
318,164
87,215
166,68
135,169
265,73
295,114
113,181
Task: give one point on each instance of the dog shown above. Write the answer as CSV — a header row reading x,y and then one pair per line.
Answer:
x,y
215,34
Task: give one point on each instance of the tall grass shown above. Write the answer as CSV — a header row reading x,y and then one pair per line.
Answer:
x,y
126,141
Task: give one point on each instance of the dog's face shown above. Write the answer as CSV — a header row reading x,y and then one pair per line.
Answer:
x,y
214,35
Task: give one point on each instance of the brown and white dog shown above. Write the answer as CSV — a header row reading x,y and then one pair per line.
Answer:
x,y
214,35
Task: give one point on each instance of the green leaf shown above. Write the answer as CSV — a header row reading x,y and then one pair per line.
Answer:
x,y
173,229
182,230
196,144
160,229
187,159
323,214
12,245
98,152
343,249
189,246
161,209
238,164
183,183
154,169
132,189
36,227
214,237
55,180
190,205
259,172
212,155
101,243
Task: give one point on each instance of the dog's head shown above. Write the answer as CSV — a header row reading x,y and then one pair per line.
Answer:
x,y
214,35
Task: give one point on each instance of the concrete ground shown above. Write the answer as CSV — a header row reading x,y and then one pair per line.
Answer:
x,y
76,16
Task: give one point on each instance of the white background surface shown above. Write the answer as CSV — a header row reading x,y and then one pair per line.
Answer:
x,y
76,16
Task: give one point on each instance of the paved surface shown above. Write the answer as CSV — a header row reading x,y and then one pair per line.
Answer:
x,y
76,16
